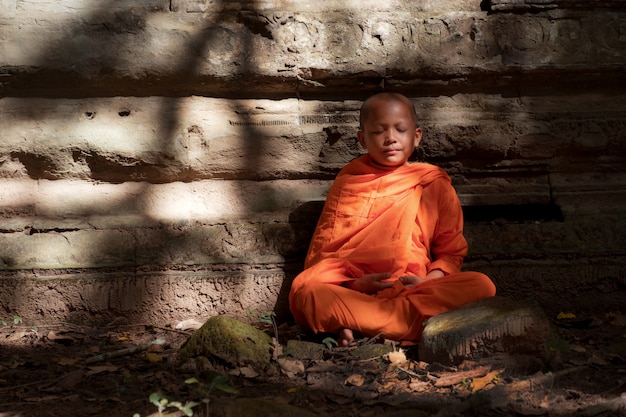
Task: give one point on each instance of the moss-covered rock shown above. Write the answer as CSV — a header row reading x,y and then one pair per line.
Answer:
x,y
229,340
484,328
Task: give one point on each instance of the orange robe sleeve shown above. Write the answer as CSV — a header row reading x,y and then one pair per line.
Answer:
x,y
444,236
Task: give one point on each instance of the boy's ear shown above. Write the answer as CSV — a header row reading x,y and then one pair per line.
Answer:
x,y
361,137
418,137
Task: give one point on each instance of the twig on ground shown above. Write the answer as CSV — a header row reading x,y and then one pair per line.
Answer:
x,y
28,384
372,359
111,326
170,330
372,340
123,352
411,373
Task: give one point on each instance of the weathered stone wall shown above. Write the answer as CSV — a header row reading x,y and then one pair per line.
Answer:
x,y
161,160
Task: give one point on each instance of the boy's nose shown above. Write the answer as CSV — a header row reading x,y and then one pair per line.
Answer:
x,y
389,137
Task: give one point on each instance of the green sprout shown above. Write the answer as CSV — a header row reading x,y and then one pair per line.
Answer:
x,y
162,403
329,342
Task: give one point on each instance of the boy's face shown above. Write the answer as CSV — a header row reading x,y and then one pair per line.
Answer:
x,y
389,133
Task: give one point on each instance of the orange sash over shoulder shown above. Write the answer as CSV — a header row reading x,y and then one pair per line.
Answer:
x,y
375,220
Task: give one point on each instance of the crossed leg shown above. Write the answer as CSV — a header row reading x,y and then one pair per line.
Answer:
x,y
399,316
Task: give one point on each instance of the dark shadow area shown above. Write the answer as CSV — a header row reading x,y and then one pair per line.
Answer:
x,y
72,370
521,213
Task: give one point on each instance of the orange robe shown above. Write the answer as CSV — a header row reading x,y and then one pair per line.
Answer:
x,y
405,221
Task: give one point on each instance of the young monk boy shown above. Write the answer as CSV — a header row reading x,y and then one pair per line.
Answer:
x,y
388,247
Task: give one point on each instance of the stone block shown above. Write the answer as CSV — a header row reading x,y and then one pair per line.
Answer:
x,y
144,295
485,328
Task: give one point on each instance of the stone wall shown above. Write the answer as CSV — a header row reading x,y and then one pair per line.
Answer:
x,y
162,160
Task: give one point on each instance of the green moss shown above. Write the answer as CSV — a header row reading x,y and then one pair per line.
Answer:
x,y
229,340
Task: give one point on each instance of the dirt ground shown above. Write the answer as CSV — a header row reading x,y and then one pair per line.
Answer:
x,y
64,371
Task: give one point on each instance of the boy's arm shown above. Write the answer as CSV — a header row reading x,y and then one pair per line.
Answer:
x,y
448,245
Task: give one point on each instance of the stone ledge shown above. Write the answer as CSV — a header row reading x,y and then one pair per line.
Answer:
x,y
521,6
108,241
315,54
160,140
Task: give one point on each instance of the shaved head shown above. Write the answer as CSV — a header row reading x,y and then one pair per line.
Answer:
x,y
388,98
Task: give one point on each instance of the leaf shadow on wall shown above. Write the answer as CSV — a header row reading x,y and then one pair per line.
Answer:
x,y
140,252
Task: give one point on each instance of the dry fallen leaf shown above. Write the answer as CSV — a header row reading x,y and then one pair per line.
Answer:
x,y
396,357
291,366
43,398
189,324
16,335
482,382
66,361
154,357
617,319
355,380
60,338
93,370
245,371
453,378
597,360
156,348
388,386
124,337
71,380
249,372
419,386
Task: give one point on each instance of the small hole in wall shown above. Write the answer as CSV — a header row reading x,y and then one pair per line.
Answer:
x,y
124,113
90,114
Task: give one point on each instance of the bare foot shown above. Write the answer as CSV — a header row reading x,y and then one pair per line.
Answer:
x,y
345,337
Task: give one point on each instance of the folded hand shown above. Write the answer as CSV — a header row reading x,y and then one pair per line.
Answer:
x,y
370,283
410,281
